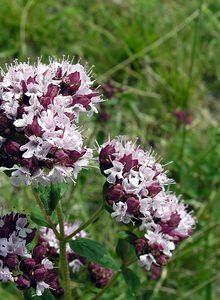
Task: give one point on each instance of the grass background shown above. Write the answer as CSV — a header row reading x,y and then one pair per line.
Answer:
x,y
165,54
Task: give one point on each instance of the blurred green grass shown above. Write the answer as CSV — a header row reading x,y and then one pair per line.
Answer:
x,y
166,56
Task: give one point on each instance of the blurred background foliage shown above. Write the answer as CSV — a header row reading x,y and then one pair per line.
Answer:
x,y
153,59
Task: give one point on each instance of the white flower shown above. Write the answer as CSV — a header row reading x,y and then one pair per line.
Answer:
x,y
19,176
115,171
36,147
163,240
145,205
146,261
120,213
40,287
5,274
47,264
3,247
75,265
20,226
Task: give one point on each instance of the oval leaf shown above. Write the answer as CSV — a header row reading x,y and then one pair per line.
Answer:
x,y
94,252
125,251
131,279
51,194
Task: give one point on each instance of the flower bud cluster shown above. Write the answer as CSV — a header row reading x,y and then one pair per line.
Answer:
x,y
136,191
39,111
16,264
100,275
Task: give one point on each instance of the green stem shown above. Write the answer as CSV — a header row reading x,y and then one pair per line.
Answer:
x,y
87,223
111,282
63,258
190,79
48,219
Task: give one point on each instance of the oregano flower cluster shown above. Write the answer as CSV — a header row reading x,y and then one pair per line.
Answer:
x,y
41,145
40,140
136,190
26,269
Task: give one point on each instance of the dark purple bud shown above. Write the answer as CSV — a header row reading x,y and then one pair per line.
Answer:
x,y
72,78
62,155
174,220
54,285
30,236
154,189
70,84
23,283
30,163
52,90
34,128
107,152
155,272
40,274
59,73
11,261
141,245
162,260
3,122
27,265
53,252
100,275
31,80
24,86
75,155
12,148
115,193
183,117
105,156
81,99
133,205
51,276
39,252
169,226
20,111
128,162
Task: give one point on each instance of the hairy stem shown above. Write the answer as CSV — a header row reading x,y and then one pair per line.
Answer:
x,y
87,223
111,282
48,219
63,258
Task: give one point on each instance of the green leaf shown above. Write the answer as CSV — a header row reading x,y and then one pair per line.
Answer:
x,y
38,218
125,251
131,279
30,294
100,137
51,194
94,252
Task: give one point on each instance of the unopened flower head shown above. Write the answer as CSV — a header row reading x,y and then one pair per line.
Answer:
x,y
100,275
39,110
136,190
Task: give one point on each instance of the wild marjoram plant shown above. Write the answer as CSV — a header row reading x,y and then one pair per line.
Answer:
x,y
41,145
